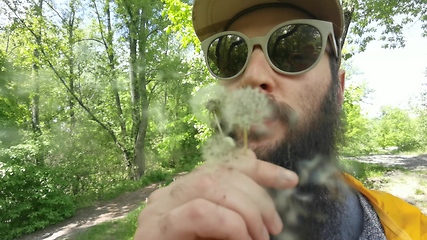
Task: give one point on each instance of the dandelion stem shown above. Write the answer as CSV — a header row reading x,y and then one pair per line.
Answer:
x,y
245,138
218,125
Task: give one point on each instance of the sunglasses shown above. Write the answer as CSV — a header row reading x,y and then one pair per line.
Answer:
x,y
291,48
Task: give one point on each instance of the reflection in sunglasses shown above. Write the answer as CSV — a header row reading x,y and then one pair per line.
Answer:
x,y
289,48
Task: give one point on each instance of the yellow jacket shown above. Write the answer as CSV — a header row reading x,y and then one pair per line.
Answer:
x,y
400,219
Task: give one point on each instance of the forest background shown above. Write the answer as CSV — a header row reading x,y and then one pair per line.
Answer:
x,y
94,99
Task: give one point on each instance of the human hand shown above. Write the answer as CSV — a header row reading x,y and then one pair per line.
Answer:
x,y
221,200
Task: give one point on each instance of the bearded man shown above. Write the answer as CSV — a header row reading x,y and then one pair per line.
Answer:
x,y
289,50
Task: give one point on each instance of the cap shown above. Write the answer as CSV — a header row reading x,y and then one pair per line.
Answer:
x,y
212,16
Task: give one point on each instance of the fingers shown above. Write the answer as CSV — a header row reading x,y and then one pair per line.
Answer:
x,y
264,173
197,219
218,199
208,219
262,200
254,206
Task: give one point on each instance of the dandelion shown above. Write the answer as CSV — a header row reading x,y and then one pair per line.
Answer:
x,y
246,107
217,146
207,104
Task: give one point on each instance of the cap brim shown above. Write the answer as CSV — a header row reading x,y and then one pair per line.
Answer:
x,y
211,16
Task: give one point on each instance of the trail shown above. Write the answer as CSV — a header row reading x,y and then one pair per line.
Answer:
x,y
91,216
409,185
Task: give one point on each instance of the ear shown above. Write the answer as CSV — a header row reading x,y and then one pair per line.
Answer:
x,y
341,78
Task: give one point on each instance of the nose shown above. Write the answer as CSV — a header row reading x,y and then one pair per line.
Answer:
x,y
258,73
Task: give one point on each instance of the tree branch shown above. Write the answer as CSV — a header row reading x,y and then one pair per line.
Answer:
x,y
62,80
91,114
57,13
90,39
98,16
348,16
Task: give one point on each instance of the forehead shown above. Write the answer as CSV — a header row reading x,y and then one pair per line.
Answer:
x,y
260,21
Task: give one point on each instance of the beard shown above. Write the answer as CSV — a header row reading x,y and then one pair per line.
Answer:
x,y
315,208
318,135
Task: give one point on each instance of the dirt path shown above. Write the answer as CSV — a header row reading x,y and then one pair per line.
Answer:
x,y
88,217
410,185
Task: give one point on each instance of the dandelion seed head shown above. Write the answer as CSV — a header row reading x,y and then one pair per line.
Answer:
x,y
217,146
214,106
208,101
245,107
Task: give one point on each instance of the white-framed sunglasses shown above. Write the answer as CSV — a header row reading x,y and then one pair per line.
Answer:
x,y
291,48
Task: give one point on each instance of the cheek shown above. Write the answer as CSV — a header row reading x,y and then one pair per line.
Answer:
x,y
312,94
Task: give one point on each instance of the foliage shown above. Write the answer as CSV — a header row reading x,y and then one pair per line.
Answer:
x,y
94,95
365,20
179,14
358,138
168,150
422,133
364,171
422,116
32,198
396,129
12,103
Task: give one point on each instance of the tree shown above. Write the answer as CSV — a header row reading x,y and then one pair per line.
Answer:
x,y
125,51
365,18
12,103
422,116
396,129
103,71
358,137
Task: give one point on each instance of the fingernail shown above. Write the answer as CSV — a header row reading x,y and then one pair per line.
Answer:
x,y
289,176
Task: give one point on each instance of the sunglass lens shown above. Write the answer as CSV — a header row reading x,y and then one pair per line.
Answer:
x,y
227,55
295,47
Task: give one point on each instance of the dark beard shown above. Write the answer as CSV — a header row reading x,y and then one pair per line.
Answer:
x,y
310,151
317,136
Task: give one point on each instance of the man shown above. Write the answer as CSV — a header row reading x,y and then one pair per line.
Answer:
x,y
290,51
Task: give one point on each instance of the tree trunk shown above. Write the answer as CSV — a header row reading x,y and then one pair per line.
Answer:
x,y
139,151
35,99
139,97
135,95
71,42
112,65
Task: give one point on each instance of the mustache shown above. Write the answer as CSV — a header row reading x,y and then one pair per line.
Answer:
x,y
283,112
280,111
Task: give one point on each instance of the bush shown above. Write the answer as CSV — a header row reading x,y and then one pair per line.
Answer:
x,y
32,198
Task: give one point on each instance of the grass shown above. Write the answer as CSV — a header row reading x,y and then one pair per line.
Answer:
x,y
419,191
364,171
